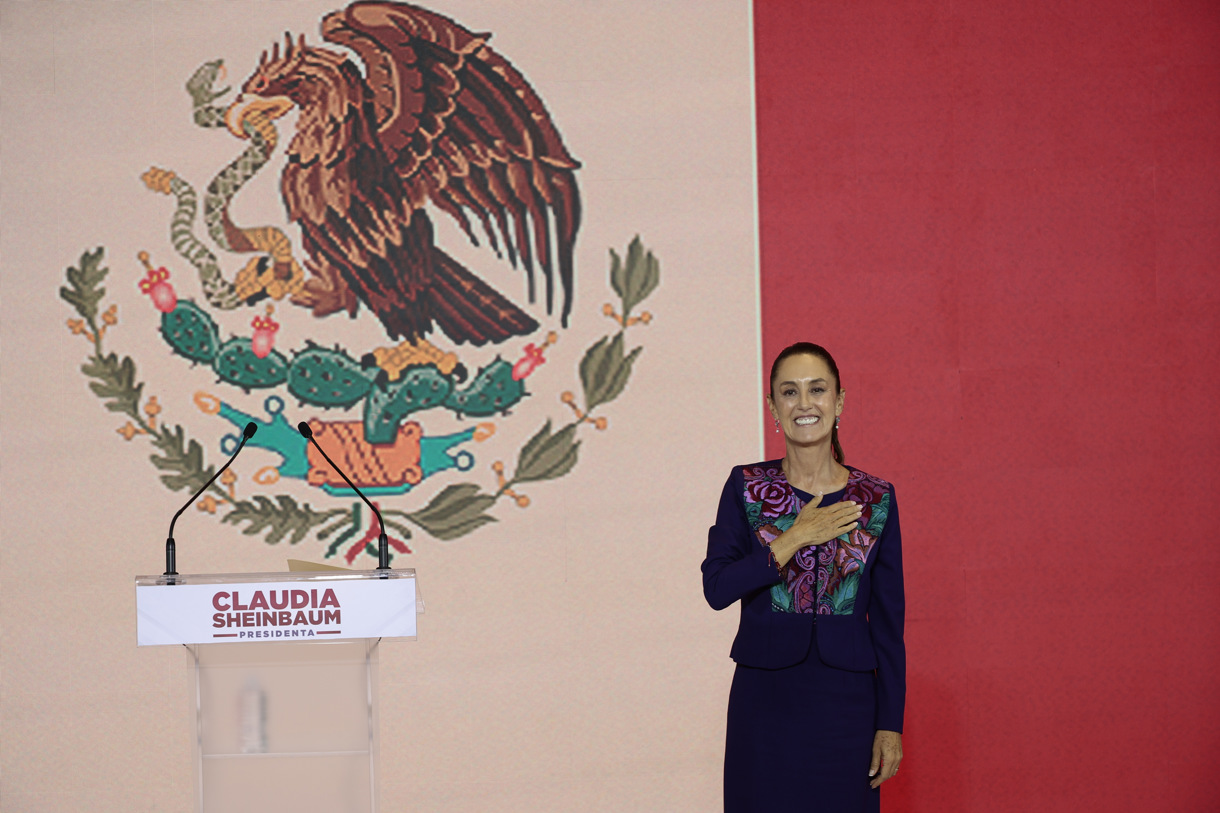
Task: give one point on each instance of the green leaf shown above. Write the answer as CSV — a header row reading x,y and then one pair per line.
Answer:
x,y
781,599
616,275
546,456
876,520
455,511
593,368
529,452
636,278
604,370
448,500
84,290
455,528
279,519
115,382
182,458
844,599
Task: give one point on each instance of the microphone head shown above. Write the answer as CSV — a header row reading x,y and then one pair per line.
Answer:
x,y
305,431
250,429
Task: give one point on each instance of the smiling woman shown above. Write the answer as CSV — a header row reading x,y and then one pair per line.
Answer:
x,y
802,397
812,550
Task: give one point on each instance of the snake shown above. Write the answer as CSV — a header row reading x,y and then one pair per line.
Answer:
x,y
275,275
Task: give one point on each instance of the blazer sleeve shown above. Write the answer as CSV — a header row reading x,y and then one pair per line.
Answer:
x,y
886,620
736,564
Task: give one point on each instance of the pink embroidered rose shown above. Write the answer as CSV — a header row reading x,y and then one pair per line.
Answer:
x,y
776,498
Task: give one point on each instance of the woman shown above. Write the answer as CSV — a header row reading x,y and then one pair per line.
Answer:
x,y
811,549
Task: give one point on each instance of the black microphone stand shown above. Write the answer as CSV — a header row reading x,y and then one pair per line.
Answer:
x,y
383,545
170,552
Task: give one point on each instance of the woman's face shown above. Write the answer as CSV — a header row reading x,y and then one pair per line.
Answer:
x,y
804,401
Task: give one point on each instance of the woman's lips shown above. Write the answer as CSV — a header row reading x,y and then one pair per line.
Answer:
x,y
806,420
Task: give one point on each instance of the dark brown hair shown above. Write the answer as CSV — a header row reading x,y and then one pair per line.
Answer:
x,y
811,349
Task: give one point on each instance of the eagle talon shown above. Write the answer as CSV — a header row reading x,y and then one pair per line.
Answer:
x,y
419,353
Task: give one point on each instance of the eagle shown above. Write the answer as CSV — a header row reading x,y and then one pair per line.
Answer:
x,y
436,117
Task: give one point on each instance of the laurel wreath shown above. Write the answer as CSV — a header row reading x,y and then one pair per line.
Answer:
x,y
455,511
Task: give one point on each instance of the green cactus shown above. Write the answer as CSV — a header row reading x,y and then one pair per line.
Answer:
x,y
328,378
492,390
387,405
190,331
236,363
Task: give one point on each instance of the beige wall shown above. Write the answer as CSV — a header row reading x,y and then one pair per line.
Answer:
x,y
566,660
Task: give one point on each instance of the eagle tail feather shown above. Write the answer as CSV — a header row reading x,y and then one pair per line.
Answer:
x,y
467,309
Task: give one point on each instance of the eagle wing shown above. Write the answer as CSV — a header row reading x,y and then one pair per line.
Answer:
x,y
464,129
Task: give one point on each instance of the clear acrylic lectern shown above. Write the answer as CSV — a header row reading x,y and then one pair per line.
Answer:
x,y
283,677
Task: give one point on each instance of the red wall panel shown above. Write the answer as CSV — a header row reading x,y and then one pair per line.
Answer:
x,y
1004,221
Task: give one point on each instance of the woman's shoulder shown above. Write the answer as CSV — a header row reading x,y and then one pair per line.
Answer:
x,y
872,480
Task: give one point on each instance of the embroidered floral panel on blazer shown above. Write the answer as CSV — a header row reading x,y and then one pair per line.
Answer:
x,y
819,578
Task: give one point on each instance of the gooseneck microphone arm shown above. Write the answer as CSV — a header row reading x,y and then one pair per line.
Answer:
x,y
170,551
383,546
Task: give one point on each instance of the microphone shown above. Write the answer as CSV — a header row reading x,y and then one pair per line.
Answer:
x,y
170,551
383,547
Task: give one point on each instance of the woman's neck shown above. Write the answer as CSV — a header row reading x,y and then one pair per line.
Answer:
x,y
814,470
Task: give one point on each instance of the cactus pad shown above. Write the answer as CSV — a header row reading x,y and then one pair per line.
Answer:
x,y
492,390
328,378
236,363
190,331
419,388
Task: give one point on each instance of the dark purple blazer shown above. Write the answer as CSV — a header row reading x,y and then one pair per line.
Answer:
x,y
739,567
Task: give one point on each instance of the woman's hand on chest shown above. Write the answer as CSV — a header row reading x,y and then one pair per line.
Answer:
x,y
816,525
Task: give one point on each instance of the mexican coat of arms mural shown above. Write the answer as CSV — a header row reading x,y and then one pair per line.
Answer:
x,y
433,123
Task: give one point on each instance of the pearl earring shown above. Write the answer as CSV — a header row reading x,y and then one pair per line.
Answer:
x,y
777,424
836,421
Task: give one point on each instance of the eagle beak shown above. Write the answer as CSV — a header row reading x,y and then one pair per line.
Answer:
x,y
256,107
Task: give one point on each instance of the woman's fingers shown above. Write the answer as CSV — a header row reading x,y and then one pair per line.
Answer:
x,y
843,516
816,525
849,513
888,769
887,755
820,525
845,508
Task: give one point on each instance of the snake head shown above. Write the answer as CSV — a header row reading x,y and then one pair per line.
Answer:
x,y
199,86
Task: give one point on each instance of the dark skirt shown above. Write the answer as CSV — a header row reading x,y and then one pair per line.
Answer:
x,y
800,739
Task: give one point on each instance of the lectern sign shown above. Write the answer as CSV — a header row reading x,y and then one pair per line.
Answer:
x,y
274,607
